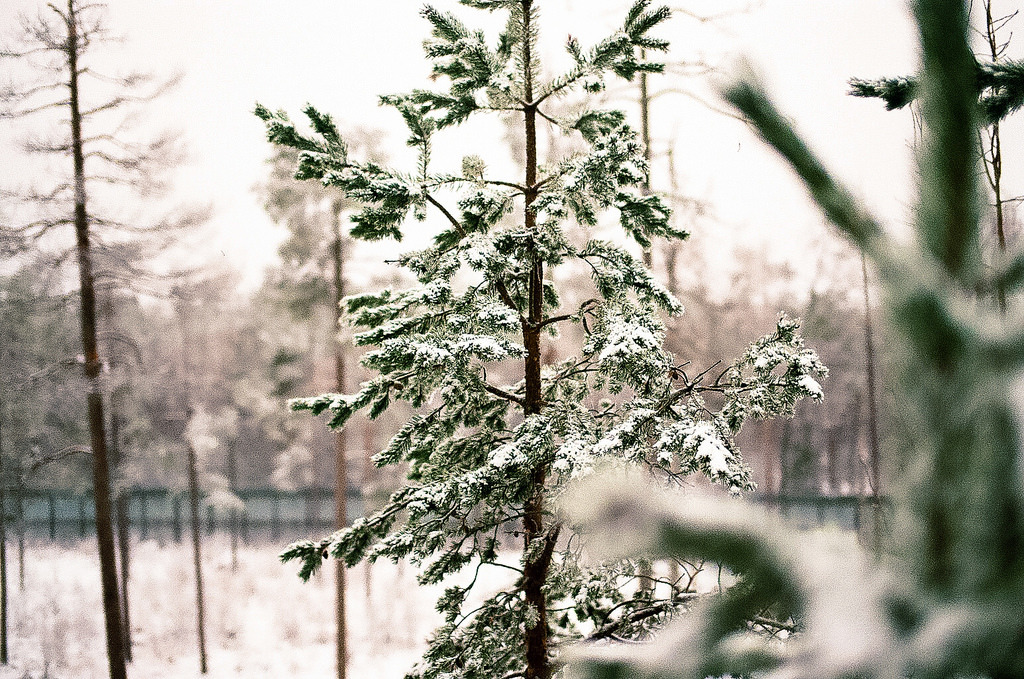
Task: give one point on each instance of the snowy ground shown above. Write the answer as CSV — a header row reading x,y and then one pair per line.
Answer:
x,y
262,621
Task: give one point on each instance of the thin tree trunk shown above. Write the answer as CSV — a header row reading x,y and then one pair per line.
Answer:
x,y
123,530
3,551
646,570
19,518
535,571
197,555
340,446
232,486
368,471
869,364
994,159
672,253
98,438
645,135
193,496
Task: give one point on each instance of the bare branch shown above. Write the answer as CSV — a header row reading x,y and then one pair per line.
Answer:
x,y
451,218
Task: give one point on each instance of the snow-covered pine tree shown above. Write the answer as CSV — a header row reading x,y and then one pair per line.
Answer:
x,y
485,458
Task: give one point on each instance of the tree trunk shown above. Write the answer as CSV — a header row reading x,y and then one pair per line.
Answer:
x,y
193,490
123,530
97,435
535,572
19,518
340,466
645,135
197,556
994,159
869,364
232,486
3,551
646,569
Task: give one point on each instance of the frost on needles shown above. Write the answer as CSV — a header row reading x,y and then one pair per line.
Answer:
x,y
487,457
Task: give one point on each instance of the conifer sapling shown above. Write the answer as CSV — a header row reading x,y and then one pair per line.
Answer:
x,y
486,458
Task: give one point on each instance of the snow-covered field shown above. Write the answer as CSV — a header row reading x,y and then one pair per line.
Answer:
x,y
262,621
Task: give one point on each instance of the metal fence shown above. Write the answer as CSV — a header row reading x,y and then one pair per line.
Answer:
x,y
162,514
276,515
867,516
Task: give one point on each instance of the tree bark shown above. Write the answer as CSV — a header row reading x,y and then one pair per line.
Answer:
x,y
97,433
869,365
197,555
994,159
123,530
645,136
19,519
535,571
233,486
3,551
340,447
193,493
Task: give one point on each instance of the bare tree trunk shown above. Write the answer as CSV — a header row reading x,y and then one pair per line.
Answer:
x,y
993,159
645,135
197,556
19,518
368,471
340,447
3,551
123,530
672,244
193,493
869,350
646,571
98,438
233,485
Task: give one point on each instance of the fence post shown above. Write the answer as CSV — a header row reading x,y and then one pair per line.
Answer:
x,y
52,516
143,515
176,518
275,517
81,515
211,522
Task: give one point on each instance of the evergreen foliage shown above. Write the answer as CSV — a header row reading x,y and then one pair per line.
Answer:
x,y
941,599
485,457
1000,88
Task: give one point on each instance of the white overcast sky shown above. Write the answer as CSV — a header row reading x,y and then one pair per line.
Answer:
x,y
340,54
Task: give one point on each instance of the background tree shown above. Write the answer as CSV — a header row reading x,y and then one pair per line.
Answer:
x,y
312,284
36,357
486,458
57,45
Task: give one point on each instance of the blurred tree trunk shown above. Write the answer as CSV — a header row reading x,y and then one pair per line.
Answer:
x,y
869,352
3,549
197,555
233,486
123,528
341,470
873,445
19,519
645,136
193,484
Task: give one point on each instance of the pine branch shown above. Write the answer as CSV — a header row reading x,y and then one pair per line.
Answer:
x,y
612,628
448,215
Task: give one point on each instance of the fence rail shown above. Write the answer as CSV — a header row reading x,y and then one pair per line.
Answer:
x,y
276,515
162,514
